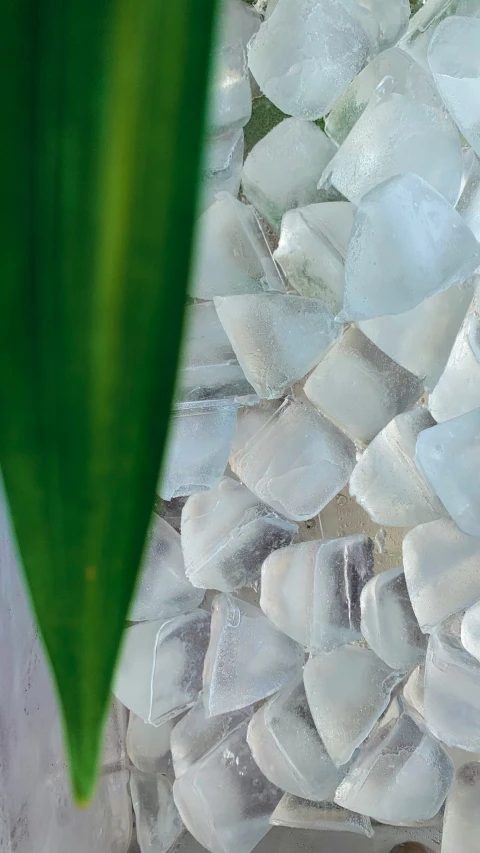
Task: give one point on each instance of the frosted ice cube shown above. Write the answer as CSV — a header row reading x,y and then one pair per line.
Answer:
x,y
197,452
224,800
196,734
386,482
311,591
461,825
160,670
422,25
421,339
222,170
388,621
402,774
287,747
413,693
282,169
397,135
247,658
306,53
312,247
468,204
470,631
162,588
353,372
458,389
157,819
296,462
453,60
233,256
148,746
277,338
441,570
227,533
448,455
347,690
407,244
452,692
307,814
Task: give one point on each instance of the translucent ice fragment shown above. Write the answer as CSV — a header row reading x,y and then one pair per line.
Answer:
x,y
353,372
222,170
148,746
441,570
388,621
347,690
162,589
407,244
386,482
311,591
282,170
468,204
157,819
247,659
227,533
413,693
296,462
160,670
312,248
287,747
461,825
470,631
306,53
277,338
224,800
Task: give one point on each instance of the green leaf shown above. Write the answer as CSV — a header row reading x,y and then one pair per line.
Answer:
x,y
103,104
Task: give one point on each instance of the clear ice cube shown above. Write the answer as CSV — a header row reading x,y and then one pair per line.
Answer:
x,y
386,482
307,814
162,589
287,747
148,746
227,533
282,170
296,462
389,624
461,824
247,658
158,822
347,690
222,169
312,248
353,372
407,244
159,673
441,570
277,338
306,53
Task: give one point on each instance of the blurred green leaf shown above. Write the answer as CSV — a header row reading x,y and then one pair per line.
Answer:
x,y
103,104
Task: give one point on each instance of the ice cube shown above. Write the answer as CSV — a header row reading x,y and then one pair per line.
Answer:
x,y
392,18
458,389
448,456
470,631
277,338
353,371
197,452
247,659
307,814
282,169
386,482
233,256
394,136
452,692
421,339
347,690
422,25
461,826
312,248
388,621
297,461
413,693
407,244
311,591
196,734
441,570
160,670
163,588
222,169
453,60
468,204
306,53
402,774
227,533
287,747
148,746
157,819
224,800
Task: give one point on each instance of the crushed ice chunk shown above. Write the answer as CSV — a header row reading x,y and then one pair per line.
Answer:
x,y
148,746
461,825
222,170
158,822
307,814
